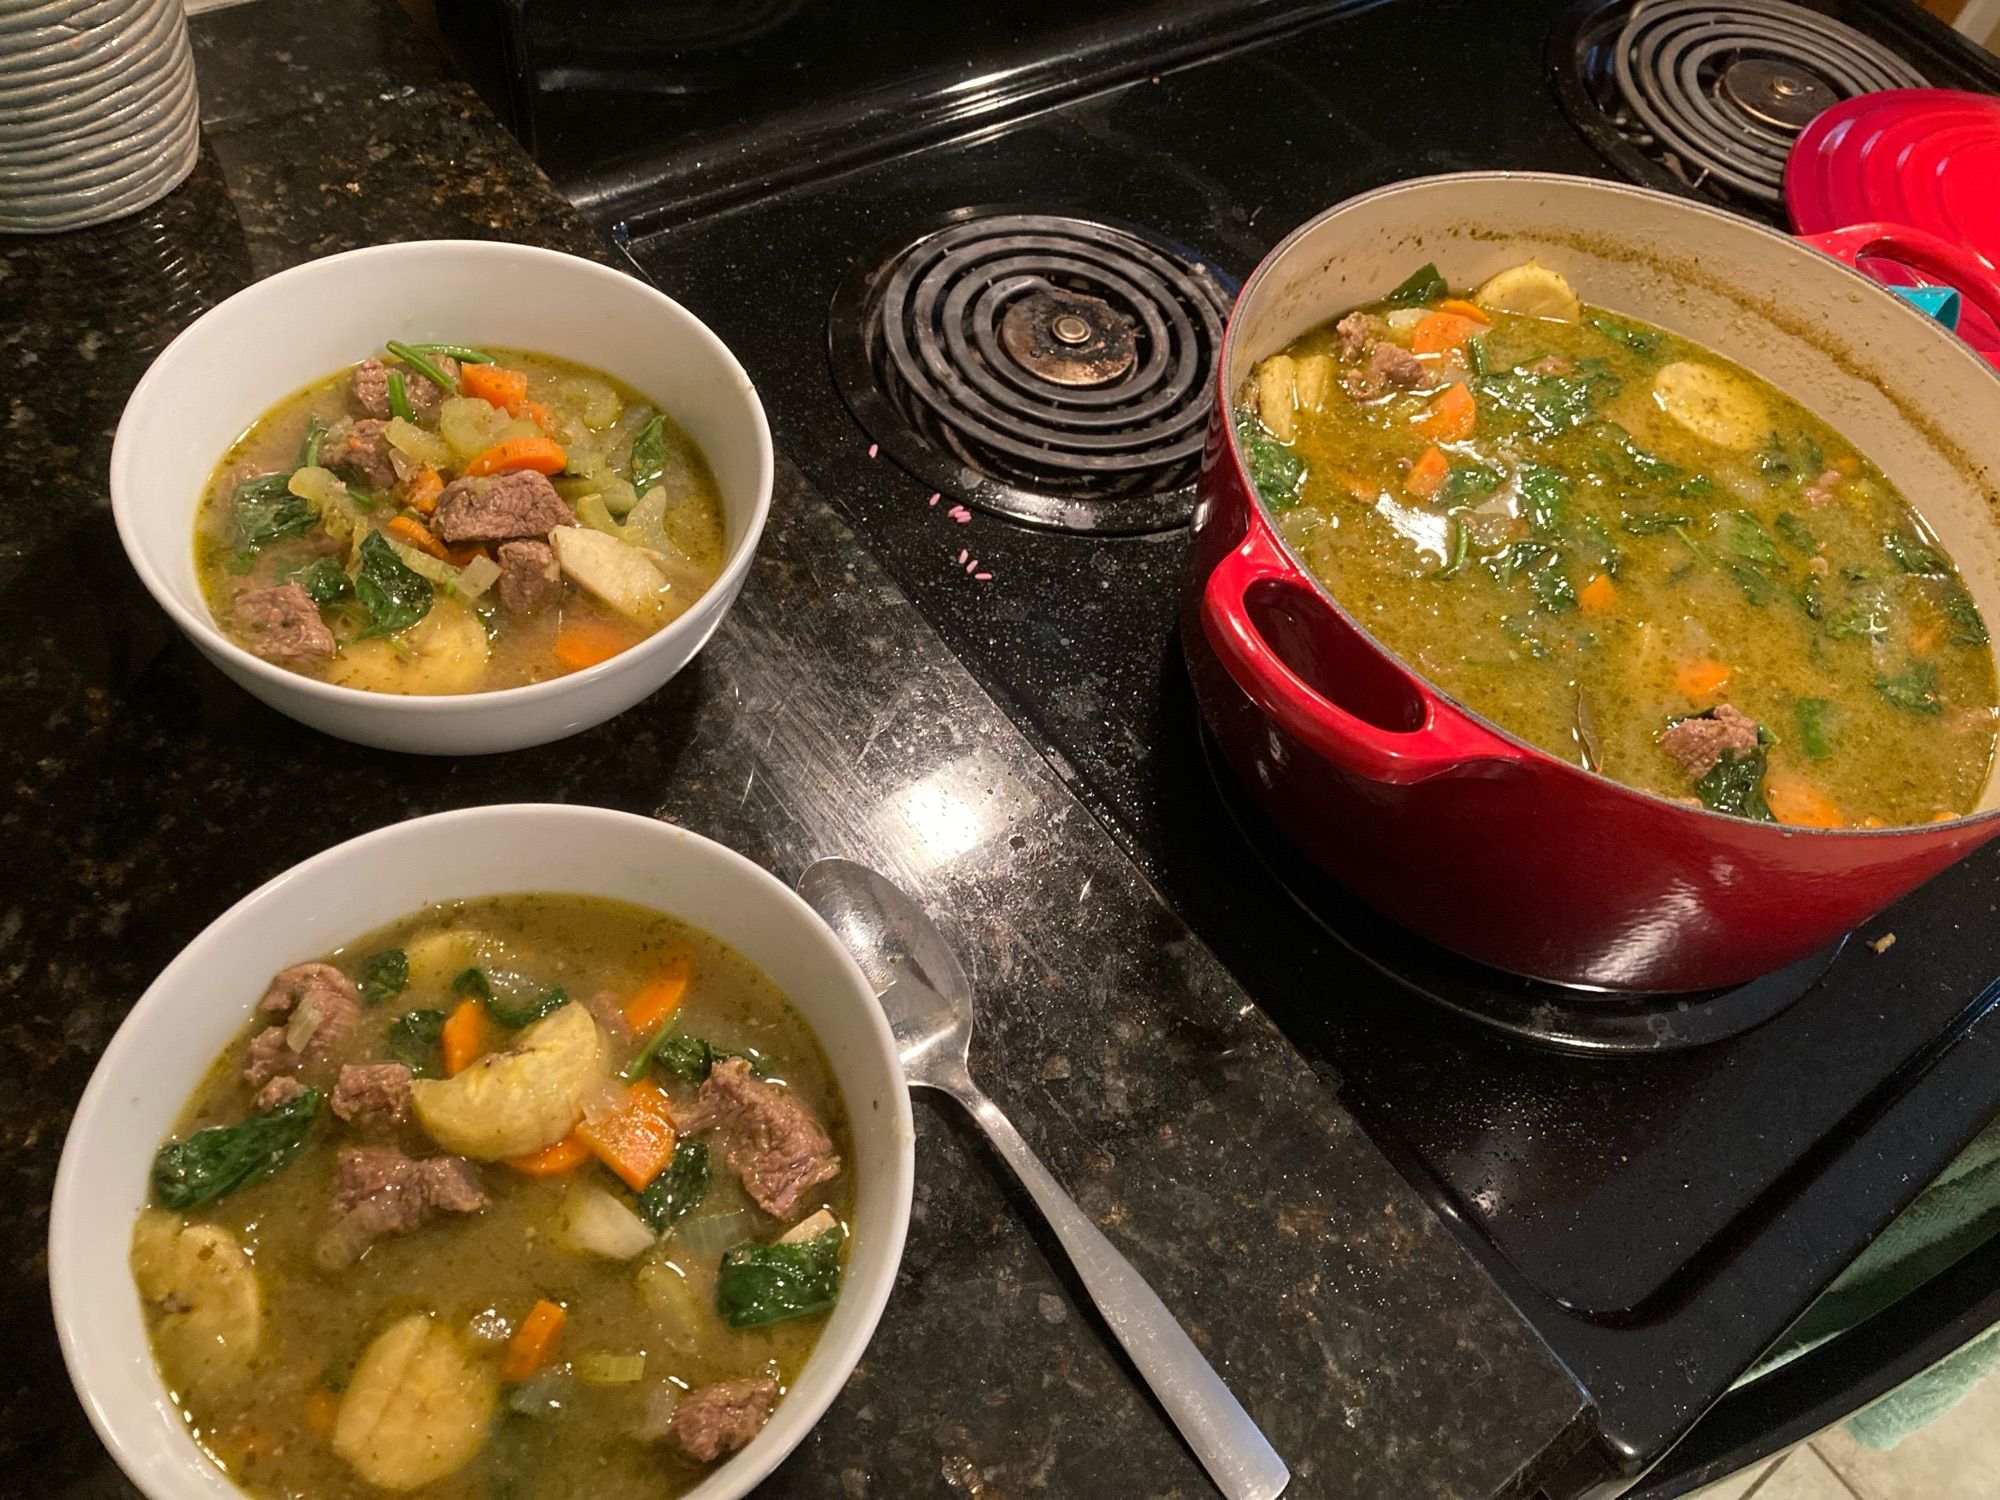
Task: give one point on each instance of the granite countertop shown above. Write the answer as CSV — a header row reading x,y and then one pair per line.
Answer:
x,y
149,793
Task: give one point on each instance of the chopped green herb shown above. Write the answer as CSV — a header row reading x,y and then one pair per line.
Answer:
x,y
384,976
1736,786
649,455
1424,285
1594,537
1865,620
669,1197
1914,688
413,1040
1635,461
760,1284
1757,585
1811,597
395,596
1275,470
1814,716
1745,536
225,1158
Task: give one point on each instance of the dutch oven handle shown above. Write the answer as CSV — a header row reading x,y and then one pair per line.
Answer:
x,y
1439,744
1932,254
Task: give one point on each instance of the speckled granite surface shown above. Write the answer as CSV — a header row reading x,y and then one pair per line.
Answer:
x,y
147,793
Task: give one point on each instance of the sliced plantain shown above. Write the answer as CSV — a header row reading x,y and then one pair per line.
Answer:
x,y
514,1102
1713,404
1530,290
444,652
1277,395
201,1283
417,1408
1312,382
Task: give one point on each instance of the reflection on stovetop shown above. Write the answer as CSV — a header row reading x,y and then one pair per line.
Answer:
x,y
1660,1218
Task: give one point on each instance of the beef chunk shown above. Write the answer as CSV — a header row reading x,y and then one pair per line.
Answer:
x,y
1698,744
370,385
372,1094
529,577
282,1089
283,625
720,1418
321,1002
362,450
769,1139
1388,367
1358,332
520,504
377,1190
609,1015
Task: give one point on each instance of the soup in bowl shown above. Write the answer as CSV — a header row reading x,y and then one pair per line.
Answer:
x,y
597,1184
535,487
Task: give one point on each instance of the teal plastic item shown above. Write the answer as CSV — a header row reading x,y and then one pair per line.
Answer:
x,y
1940,302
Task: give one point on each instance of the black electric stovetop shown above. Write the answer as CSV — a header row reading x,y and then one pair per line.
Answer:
x,y
1659,1211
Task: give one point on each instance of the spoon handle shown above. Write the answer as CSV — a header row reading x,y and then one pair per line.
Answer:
x,y
1236,1454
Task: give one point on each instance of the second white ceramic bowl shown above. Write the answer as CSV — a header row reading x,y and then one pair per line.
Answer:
x,y
247,353
203,998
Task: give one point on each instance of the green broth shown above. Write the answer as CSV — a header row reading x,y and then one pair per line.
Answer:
x,y
470,1269
1590,568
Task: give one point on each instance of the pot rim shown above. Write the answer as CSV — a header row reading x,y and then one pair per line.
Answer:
x,y
1431,691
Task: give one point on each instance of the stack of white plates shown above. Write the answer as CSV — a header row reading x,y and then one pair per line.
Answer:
x,y
97,109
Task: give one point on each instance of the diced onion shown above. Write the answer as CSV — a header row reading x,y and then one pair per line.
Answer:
x,y
477,576
610,1369
305,1021
1403,319
593,1222
316,484
715,1233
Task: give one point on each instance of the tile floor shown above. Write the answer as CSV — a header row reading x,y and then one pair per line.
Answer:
x,y
1957,1457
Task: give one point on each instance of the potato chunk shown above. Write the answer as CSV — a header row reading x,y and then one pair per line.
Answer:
x,y
616,572
510,1103
1713,404
205,1289
1277,395
418,1407
444,652
1530,290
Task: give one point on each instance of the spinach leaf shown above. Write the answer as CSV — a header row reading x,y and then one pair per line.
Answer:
x,y
1546,404
1633,460
1913,554
1814,716
1967,628
1475,355
266,511
1552,587
309,445
1695,487
324,581
412,1040
1914,688
1423,285
1652,522
1593,537
1516,558
1757,585
395,596
691,1058
649,455
1865,620
1470,481
1811,598
1796,532
1745,536
224,1158
1275,470
1736,786
384,976
1461,545
1640,342
670,1196
1545,496
516,1013
1780,460
759,1284
471,984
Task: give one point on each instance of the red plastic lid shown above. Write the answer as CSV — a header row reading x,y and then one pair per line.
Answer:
x,y
1926,157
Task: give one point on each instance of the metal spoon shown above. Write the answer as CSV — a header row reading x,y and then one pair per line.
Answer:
x,y
929,1000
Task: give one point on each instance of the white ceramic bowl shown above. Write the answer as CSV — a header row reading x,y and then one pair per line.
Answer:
x,y
244,355
205,995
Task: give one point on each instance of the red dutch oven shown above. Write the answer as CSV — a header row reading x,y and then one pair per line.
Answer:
x,y
1439,818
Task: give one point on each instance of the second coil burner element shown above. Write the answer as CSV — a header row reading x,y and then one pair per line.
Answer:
x,y
1053,369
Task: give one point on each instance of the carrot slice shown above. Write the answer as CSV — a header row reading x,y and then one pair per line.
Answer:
x,y
409,529
648,1010
495,384
1458,307
1357,487
1599,596
422,489
1450,416
636,1140
537,413
529,1348
566,1155
543,455
585,643
1795,800
1441,331
465,1037
1701,678
1427,475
